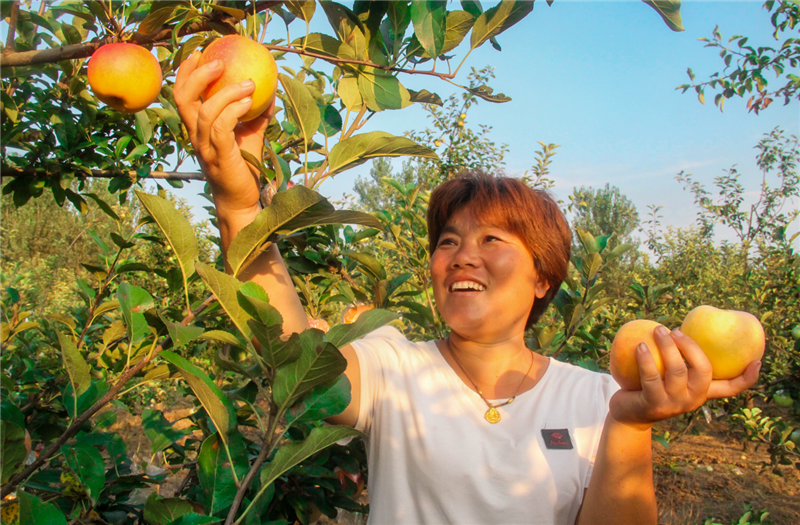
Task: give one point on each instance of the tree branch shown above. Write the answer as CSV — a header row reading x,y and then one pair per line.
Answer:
x,y
102,174
73,429
12,26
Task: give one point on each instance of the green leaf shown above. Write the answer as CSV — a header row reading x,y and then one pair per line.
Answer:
x,y
274,350
429,18
326,45
162,511
225,288
285,206
473,7
348,92
380,90
358,149
144,129
670,11
177,229
33,510
344,334
497,19
193,518
399,15
301,9
217,404
12,449
330,120
253,299
425,97
303,106
458,25
321,403
347,26
293,454
87,464
159,431
215,470
103,206
222,337
180,334
78,370
134,302
319,362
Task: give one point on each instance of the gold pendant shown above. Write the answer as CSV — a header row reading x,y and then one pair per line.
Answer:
x,y
492,415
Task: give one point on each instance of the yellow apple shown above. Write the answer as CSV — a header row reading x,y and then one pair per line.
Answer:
x,y
127,77
624,367
731,339
243,59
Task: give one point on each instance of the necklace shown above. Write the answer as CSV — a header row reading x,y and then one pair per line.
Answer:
x,y
492,415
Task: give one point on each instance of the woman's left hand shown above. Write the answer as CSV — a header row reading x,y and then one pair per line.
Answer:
x,y
686,384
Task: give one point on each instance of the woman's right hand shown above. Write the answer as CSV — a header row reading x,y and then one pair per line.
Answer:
x,y
217,135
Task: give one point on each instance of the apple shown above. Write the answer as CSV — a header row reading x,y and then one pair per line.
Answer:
x,y
782,399
243,59
624,367
125,76
354,311
731,339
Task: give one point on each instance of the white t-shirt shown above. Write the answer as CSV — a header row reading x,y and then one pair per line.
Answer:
x,y
434,459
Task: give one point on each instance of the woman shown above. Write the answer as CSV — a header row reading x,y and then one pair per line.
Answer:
x,y
445,442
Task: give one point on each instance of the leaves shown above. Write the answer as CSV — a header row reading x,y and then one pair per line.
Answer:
x,y
358,149
303,106
381,90
75,365
134,302
293,454
87,464
33,510
162,511
226,288
497,19
319,362
369,321
326,45
217,405
322,402
177,229
158,430
12,448
429,19
218,472
670,11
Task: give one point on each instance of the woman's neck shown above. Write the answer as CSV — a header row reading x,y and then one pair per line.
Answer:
x,y
501,369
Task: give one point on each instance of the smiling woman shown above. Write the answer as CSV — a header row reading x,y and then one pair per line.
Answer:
x,y
474,428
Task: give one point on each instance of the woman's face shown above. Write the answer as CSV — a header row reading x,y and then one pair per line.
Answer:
x,y
484,279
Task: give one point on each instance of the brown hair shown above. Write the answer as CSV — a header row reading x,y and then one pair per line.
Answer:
x,y
530,214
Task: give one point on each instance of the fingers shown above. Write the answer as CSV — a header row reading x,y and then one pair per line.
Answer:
x,y
652,384
190,82
220,114
699,372
676,375
731,387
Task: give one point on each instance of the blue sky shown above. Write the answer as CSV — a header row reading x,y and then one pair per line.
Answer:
x,y
599,79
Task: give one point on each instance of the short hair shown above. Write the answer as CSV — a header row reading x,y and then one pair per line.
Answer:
x,y
531,214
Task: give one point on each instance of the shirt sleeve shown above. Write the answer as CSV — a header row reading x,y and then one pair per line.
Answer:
x,y
378,355
604,390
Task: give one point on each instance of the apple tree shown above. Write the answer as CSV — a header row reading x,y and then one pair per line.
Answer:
x,y
255,449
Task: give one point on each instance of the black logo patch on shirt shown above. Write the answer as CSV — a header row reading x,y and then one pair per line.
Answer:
x,y
557,438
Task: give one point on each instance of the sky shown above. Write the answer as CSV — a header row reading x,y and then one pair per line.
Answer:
x,y
599,79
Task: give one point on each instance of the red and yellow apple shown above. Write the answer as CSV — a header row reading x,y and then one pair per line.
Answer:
x,y
624,366
731,339
243,59
127,77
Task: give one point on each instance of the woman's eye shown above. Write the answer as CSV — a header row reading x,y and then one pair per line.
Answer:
x,y
446,242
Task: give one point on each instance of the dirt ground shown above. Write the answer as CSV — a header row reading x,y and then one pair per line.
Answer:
x,y
704,474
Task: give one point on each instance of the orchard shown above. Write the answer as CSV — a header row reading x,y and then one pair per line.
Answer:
x,y
118,311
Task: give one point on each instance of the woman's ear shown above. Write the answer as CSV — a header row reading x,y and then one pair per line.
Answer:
x,y
541,288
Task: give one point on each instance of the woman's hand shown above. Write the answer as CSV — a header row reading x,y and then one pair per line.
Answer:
x,y
686,384
217,135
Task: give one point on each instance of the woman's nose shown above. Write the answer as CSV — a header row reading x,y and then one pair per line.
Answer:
x,y
466,255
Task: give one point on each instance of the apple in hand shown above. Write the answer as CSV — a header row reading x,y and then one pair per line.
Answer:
x,y
624,367
243,59
731,339
127,77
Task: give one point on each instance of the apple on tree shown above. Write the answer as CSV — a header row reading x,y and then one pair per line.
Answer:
x,y
243,59
125,76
